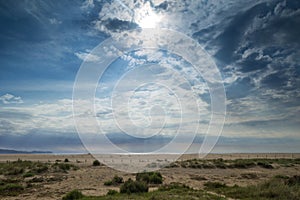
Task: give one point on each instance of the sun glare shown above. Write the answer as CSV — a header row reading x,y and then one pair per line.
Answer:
x,y
149,21
146,18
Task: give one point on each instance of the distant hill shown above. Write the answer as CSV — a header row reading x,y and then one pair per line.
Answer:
x,y
10,151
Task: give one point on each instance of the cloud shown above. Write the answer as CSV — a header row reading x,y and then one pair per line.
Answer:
x,y
88,57
54,21
11,99
254,43
87,4
56,116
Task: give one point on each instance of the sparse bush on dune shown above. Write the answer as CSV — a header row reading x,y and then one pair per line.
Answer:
x,y
11,189
280,176
265,164
40,169
212,185
295,180
14,171
149,177
277,188
112,192
131,186
96,163
28,174
108,183
73,195
63,167
116,180
242,163
237,163
172,186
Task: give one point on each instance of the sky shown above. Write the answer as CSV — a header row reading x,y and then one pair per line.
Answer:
x,y
146,97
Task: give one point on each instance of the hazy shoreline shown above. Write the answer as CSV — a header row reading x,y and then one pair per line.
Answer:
x,y
88,157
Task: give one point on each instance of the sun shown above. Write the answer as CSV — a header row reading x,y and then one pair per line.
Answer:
x,y
147,18
149,21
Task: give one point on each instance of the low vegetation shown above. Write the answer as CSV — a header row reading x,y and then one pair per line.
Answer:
x,y
237,163
11,189
116,180
18,176
131,186
276,188
164,192
150,177
280,187
73,195
64,167
24,176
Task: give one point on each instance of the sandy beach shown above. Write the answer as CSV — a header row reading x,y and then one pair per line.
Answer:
x,y
90,179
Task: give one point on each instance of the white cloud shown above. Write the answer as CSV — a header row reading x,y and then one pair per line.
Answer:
x,y
87,4
54,21
56,116
11,99
88,57
179,15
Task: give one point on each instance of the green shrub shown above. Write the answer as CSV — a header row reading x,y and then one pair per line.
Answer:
x,y
11,189
116,180
173,186
66,160
112,192
64,167
28,174
278,189
108,183
41,169
243,164
73,195
280,176
149,177
15,171
96,163
295,180
212,185
131,186
155,178
219,163
265,165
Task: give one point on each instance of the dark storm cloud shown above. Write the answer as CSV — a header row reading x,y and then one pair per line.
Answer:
x,y
205,35
262,43
117,25
252,63
276,80
230,39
